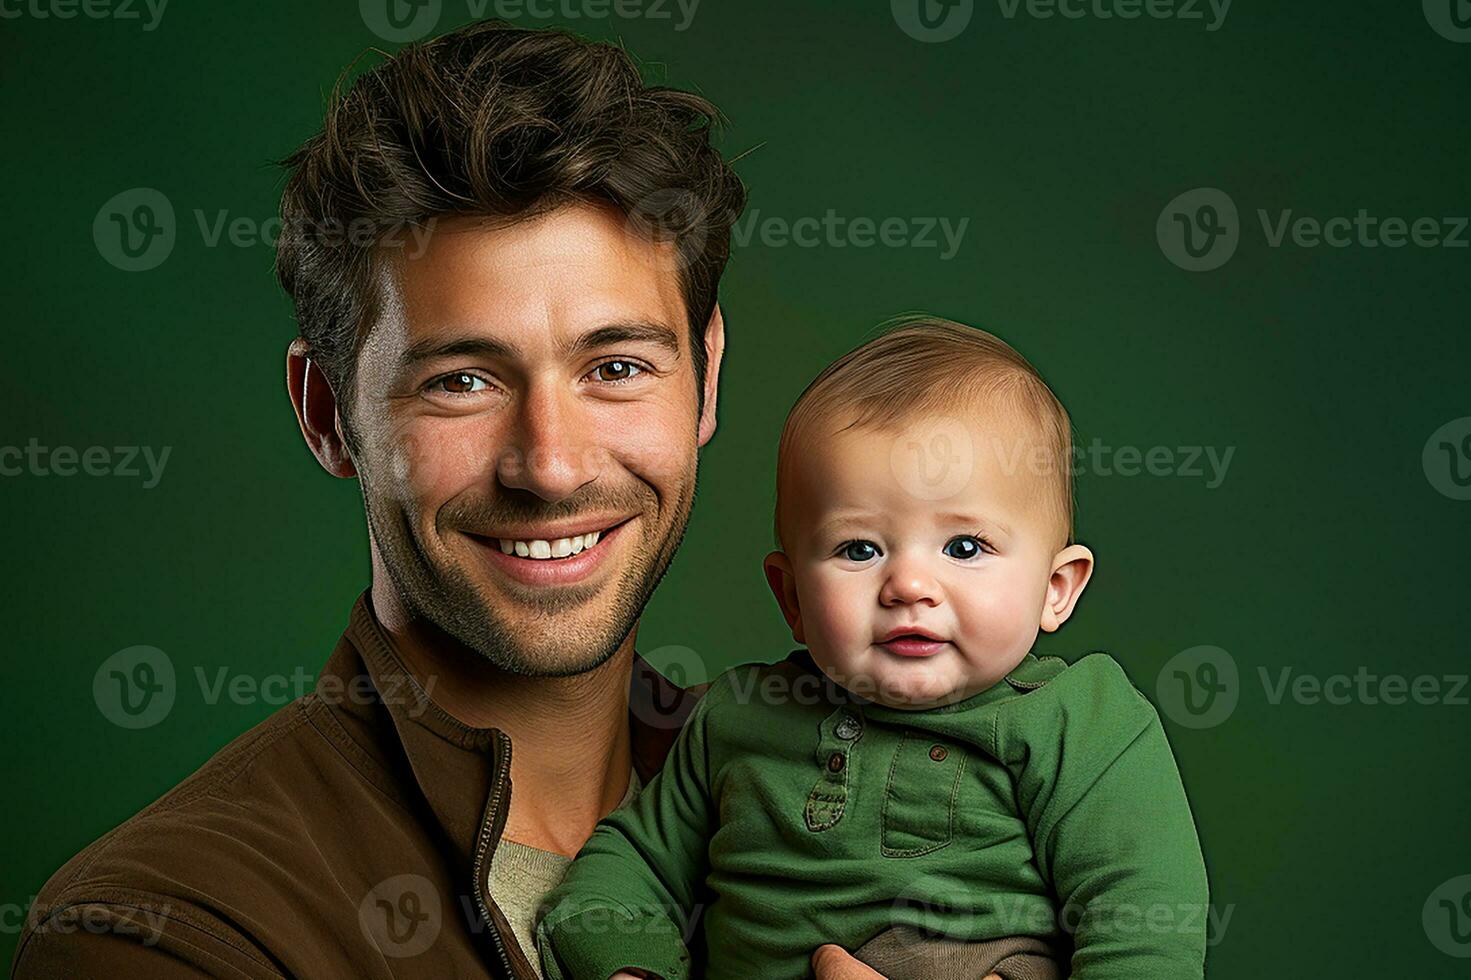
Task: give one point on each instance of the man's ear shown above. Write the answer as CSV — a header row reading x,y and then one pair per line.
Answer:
x,y
316,410
784,586
714,353
1071,569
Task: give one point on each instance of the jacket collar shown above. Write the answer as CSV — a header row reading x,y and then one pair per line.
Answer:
x,y
432,758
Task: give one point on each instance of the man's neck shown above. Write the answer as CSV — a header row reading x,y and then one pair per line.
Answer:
x,y
571,754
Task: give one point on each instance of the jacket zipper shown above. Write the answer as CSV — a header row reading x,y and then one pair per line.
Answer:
x,y
482,846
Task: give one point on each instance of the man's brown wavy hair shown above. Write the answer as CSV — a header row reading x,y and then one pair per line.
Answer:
x,y
499,121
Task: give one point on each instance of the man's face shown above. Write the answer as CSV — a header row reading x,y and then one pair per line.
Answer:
x,y
527,419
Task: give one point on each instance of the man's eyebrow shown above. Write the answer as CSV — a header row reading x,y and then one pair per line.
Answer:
x,y
633,331
431,349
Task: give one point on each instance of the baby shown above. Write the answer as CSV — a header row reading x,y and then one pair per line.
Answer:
x,y
915,782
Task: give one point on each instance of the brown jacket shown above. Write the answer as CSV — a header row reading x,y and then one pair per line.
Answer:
x,y
348,835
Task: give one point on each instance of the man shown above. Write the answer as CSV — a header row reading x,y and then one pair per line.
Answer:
x,y
504,253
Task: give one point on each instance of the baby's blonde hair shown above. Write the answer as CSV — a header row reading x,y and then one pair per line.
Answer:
x,y
923,365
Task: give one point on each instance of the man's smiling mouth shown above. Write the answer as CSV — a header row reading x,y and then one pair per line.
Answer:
x,y
550,554
543,548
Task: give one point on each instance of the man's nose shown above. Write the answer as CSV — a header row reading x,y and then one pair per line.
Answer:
x,y
908,581
552,453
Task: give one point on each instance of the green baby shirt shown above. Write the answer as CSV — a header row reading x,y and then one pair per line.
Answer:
x,y
791,813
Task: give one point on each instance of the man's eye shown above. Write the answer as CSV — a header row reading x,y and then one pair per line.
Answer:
x,y
860,551
459,383
964,548
612,372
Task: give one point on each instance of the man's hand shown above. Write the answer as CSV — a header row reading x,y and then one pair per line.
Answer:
x,y
832,962
835,963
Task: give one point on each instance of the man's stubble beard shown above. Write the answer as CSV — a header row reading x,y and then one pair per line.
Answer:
x,y
443,593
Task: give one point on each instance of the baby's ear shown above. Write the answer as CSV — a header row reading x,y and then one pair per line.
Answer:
x,y
784,586
1071,569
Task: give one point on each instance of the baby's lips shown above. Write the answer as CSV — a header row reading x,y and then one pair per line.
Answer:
x,y
911,632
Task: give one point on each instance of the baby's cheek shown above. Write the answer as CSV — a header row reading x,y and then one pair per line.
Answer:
x,y
996,620
834,616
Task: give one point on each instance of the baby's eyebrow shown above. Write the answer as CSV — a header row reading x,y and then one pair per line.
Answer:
x,y
975,520
839,523
857,522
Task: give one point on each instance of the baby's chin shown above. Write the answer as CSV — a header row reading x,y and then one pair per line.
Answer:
x,y
907,695
913,685
903,686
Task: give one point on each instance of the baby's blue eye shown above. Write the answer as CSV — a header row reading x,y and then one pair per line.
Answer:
x,y
860,551
963,548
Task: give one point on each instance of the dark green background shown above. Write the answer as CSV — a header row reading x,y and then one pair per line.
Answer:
x,y
1326,548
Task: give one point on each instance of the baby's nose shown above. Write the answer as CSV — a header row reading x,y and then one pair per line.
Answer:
x,y
909,583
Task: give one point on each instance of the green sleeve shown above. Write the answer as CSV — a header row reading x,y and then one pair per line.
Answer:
x,y
629,895
1110,824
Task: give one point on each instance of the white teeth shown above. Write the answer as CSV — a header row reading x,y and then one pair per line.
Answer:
x,y
560,548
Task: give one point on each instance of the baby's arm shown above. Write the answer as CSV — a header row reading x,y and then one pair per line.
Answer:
x,y
630,893
1110,824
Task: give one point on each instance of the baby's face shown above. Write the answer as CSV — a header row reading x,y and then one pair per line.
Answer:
x,y
914,587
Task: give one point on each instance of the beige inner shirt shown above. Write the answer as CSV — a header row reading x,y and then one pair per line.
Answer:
x,y
521,876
